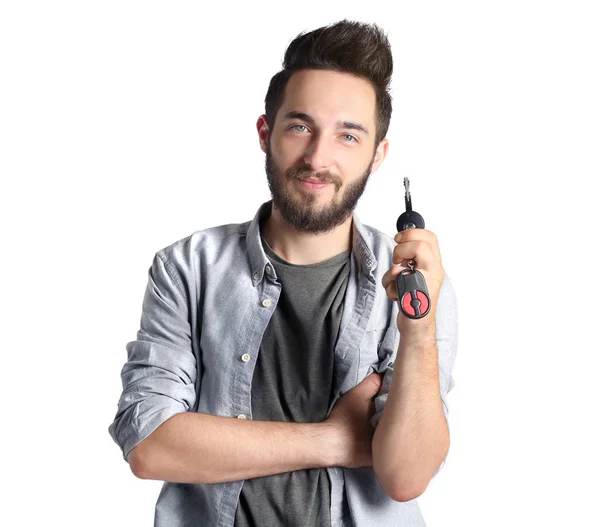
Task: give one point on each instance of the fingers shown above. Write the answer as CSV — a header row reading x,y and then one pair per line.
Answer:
x,y
391,274
415,244
389,280
374,382
418,250
424,235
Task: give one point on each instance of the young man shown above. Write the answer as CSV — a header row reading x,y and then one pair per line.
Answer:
x,y
248,390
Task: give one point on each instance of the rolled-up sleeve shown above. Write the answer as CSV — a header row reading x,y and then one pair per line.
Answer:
x,y
447,344
160,373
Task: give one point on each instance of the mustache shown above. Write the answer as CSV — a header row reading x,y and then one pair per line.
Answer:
x,y
305,173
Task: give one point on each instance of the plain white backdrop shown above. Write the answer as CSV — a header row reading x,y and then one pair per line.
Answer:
x,y
125,126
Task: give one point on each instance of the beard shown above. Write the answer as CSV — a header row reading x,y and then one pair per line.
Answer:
x,y
298,209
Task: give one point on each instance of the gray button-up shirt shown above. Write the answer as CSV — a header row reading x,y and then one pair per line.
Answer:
x,y
207,304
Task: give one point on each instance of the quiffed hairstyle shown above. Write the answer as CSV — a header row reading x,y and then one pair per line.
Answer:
x,y
348,47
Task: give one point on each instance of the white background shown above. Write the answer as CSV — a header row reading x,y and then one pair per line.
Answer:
x,y
125,126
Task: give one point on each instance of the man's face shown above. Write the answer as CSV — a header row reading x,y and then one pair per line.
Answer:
x,y
317,134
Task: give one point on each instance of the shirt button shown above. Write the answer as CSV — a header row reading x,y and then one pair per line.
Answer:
x,y
256,276
245,357
266,302
241,416
268,269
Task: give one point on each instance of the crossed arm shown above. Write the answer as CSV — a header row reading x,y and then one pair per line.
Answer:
x,y
410,441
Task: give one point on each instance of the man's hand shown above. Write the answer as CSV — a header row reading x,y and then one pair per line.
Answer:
x,y
422,246
351,420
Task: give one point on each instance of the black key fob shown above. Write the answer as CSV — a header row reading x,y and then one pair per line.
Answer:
x,y
413,297
410,220
412,293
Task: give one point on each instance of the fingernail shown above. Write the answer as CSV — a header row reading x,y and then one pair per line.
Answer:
x,y
398,237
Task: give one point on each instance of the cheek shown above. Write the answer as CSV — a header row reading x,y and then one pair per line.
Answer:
x,y
290,155
351,165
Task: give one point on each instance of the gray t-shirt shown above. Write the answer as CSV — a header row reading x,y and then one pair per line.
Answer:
x,y
292,382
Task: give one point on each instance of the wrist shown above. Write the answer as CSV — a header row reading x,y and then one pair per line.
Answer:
x,y
333,444
420,332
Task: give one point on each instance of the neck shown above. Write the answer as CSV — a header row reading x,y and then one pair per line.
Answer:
x,y
304,248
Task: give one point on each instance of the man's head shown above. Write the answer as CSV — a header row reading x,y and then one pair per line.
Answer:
x,y
327,114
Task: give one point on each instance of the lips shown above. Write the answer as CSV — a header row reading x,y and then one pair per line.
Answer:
x,y
316,181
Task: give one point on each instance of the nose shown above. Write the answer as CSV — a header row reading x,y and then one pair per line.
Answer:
x,y
319,153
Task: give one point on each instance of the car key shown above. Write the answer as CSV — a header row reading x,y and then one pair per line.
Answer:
x,y
413,297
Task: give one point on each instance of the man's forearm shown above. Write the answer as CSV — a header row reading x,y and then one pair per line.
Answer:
x,y
191,447
411,439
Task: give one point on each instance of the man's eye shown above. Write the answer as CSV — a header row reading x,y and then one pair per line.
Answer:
x,y
352,138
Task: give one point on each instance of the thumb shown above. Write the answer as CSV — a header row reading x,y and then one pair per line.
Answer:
x,y
373,382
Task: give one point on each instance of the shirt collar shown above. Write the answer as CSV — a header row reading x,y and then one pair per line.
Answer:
x,y
258,259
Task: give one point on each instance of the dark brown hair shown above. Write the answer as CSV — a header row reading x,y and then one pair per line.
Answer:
x,y
357,48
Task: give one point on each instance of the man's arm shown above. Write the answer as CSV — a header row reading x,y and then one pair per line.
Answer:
x,y
158,433
193,447
412,437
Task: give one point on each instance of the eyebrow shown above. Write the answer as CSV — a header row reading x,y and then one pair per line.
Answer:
x,y
349,125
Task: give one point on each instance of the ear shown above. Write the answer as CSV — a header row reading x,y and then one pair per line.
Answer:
x,y
263,132
380,154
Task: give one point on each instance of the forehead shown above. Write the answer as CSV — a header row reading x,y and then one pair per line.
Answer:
x,y
329,96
